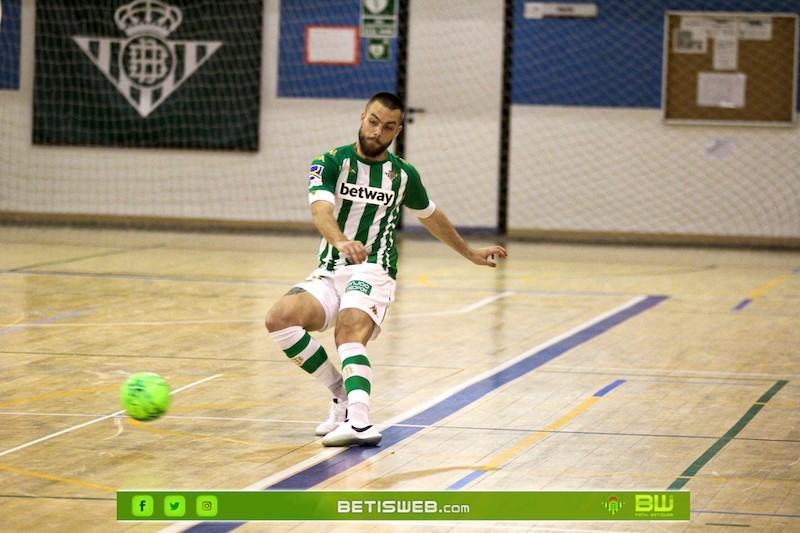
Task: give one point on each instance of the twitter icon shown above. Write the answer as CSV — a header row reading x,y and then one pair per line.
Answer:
x,y
174,505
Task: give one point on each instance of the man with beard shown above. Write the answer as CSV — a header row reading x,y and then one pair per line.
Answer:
x,y
356,192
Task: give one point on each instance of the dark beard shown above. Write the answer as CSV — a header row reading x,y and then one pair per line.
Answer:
x,y
370,150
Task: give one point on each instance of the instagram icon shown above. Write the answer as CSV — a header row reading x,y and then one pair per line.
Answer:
x,y
207,505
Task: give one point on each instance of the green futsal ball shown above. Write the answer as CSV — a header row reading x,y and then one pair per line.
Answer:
x,y
145,396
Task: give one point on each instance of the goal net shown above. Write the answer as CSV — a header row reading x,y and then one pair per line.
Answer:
x,y
208,113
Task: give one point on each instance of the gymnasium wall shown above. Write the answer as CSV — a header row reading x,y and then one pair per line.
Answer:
x,y
589,168
590,153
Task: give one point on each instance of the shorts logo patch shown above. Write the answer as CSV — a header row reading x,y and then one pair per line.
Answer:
x,y
358,285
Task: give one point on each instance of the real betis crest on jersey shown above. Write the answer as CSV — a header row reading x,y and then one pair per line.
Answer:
x,y
367,198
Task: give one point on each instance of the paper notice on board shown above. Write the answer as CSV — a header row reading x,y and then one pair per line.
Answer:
x,y
689,41
723,28
755,28
693,22
726,53
717,89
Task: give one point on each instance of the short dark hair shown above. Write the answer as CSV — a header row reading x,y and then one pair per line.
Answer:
x,y
390,100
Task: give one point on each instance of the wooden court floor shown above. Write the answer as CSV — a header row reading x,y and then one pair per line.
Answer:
x,y
567,368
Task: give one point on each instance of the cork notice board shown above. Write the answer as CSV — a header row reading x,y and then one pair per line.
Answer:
x,y
730,68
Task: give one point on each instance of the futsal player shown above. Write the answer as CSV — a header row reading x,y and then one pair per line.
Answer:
x,y
356,192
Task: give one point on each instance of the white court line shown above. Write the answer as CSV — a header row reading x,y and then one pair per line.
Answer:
x,y
171,417
121,324
463,310
325,454
467,309
90,422
178,527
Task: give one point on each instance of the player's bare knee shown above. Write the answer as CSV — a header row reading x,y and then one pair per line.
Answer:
x,y
353,326
277,320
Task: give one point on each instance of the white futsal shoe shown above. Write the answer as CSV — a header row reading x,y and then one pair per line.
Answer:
x,y
336,415
347,435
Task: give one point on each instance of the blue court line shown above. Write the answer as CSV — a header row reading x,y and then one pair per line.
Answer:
x,y
350,457
472,476
608,388
466,480
73,314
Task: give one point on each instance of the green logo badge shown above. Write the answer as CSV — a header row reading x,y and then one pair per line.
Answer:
x,y
358,285
379,50
613,505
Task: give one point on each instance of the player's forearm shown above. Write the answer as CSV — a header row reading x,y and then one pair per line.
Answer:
x,y
440,227
322,217
325,222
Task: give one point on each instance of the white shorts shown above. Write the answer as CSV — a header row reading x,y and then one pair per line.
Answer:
x,y
366,286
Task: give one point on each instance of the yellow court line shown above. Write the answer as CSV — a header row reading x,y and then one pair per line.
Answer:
x,y
51,477
527,442
770,285
422,279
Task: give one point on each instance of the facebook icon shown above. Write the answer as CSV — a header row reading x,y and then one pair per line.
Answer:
x,y
142,506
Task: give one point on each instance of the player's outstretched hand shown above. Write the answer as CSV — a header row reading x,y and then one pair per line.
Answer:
x,y
488,256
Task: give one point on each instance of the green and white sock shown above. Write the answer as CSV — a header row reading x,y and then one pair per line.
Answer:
x,y
357,374
308,354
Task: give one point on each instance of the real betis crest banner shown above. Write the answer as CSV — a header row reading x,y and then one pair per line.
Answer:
x,y
148,73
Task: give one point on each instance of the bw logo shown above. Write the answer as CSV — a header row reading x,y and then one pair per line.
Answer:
x,y
146,67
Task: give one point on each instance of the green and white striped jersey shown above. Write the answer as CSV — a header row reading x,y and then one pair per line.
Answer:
x,y
367,198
